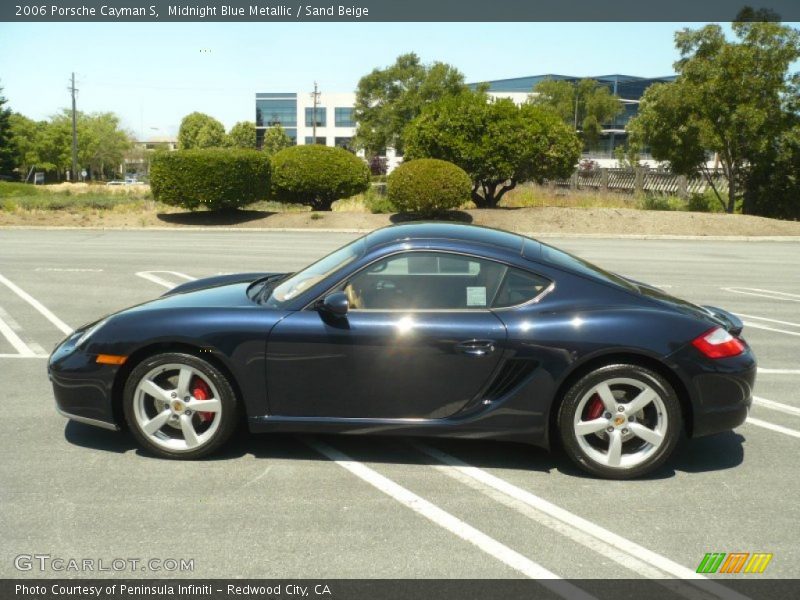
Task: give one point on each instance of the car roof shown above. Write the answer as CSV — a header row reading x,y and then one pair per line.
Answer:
x,y
471,234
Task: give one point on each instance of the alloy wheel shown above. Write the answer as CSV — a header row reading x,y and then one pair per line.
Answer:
x,y
621,423
177,407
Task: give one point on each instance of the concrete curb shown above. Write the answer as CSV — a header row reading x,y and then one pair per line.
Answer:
x,y
534,234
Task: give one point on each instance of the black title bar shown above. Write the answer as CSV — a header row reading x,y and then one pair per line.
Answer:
x,y
389,10
755,588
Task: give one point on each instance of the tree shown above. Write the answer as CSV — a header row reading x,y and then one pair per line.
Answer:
x,y
388,99
585,105
428,187
199,130
275,140
215,178
6,144
103,145
25,139
498,143
47,145
730,98
317,175
242,135
772,188
53,149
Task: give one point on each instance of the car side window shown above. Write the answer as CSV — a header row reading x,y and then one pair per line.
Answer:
x,y
426,281
519,287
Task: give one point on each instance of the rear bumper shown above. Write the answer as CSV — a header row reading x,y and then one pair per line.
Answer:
x,y
82,388
721,390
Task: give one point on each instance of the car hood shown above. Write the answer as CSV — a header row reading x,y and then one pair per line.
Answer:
x,y
220,291
217,281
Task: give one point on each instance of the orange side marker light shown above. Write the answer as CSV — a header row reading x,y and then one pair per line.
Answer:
x,y
111,359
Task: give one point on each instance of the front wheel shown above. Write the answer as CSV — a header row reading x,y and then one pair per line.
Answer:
x,y
620,421
179,406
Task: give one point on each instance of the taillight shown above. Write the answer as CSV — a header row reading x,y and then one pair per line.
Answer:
x,y
718,343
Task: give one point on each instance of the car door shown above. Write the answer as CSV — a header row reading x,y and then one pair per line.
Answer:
x,y
418,342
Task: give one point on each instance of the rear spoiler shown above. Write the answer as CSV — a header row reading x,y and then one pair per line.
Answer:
x,y
731,322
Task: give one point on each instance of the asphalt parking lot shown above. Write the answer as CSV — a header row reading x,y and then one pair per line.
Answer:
x,y
336,507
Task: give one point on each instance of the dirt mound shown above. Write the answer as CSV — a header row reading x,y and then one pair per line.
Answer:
x,y
545,220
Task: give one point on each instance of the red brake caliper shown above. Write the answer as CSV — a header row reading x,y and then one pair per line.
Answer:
x,y
594,408
201,391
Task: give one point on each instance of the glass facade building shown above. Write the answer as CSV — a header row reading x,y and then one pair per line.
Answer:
x,y
331,120
343,116
629,89
276,109
320,116
343,142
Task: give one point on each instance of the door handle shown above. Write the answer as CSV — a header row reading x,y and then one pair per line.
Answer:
x,y
475,347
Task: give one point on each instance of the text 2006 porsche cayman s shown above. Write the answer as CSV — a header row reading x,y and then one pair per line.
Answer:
x,y
420,329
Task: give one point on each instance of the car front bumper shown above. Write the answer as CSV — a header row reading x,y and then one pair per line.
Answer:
x,y
82,388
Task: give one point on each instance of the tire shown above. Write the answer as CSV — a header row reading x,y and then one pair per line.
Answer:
x,y
620,421
162,401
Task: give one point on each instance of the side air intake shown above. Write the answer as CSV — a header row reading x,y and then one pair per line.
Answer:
x,y
514,372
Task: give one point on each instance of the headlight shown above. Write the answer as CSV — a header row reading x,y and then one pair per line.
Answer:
x,y
90,332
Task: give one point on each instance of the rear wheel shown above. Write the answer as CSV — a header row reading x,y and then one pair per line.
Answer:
x,y
179,406
620,421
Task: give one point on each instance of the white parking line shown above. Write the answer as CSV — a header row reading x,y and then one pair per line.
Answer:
x,y
762,371
66,329
625,560
789,323
11,330
778,406
454,525
160,281
20,346
773,427
765,328
60,270
772,294
606,537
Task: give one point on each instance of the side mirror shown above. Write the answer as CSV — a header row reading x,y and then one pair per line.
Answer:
x,y
336,304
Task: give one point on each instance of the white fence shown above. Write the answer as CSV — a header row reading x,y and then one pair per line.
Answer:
x,y
641,181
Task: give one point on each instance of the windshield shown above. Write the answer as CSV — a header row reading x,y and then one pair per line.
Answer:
x,y
573,263
310,276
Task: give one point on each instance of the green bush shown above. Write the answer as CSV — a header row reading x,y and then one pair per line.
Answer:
x,y
662,203
8,205
428,186
705,202
10,189
317,175
377,202
216,178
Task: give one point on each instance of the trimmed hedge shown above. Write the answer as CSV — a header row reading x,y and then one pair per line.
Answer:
x,y
217,178
428,186
317,175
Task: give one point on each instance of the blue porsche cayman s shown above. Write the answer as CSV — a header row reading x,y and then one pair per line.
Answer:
x,y
425,329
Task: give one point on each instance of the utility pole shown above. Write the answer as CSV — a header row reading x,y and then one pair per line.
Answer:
x,y
74,173
315,97
576,108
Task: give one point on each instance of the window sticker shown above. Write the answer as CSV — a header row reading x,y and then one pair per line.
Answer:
x,y
476,296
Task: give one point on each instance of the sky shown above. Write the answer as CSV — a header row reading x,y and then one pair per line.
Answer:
x,y
153,74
